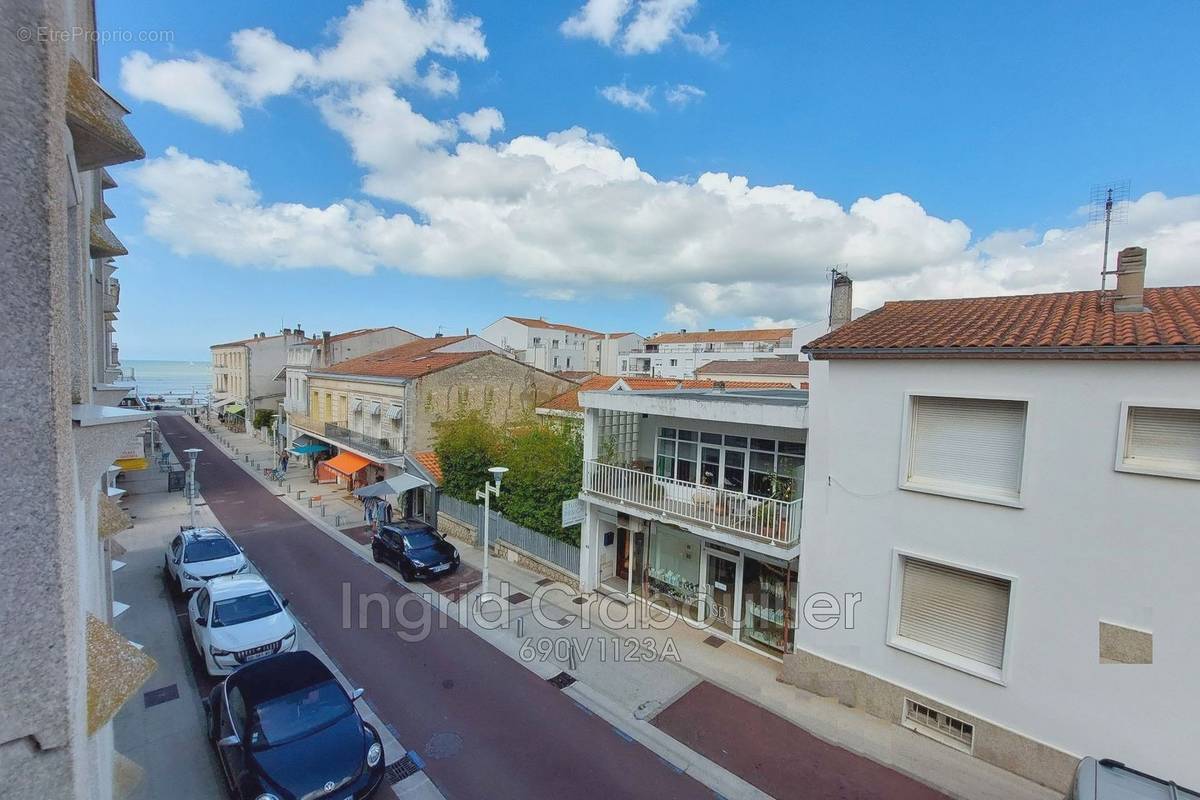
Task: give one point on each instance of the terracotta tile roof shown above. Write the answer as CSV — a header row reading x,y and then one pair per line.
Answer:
x,y
430,463
757,366
529,322
577,375
751,335
411,360
1058,325
569,400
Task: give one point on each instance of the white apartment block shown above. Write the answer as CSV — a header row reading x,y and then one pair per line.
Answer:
x,y
694,501
330,349
606,351
549,346
1010,486
247,374
679,355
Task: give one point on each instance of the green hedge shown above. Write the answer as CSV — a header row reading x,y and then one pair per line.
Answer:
x,y
545,465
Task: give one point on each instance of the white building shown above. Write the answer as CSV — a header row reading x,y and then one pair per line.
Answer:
x,y
549,346
678,355
248,374
305,354
758,370
607,351
693,501
1011,486
64,670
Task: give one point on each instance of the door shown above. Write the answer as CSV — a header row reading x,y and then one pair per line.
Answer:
x,y
721,581
623,553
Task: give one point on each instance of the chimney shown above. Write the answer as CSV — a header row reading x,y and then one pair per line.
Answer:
x,y
437,335
287,331
841,300
719,386
1131,279
262,334
325,354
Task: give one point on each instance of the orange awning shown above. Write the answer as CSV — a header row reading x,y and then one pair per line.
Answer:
x,y
346,463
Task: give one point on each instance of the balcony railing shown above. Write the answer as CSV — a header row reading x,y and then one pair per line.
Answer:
x,y
763,518
380,447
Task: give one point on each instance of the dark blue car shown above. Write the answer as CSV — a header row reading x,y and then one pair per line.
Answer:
x,y
415,549
284,729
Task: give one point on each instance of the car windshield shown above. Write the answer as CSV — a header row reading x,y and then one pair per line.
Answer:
x,y
209,550
298,714
419,540
246,608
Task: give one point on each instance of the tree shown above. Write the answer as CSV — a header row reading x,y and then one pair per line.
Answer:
x,y
467,444
262,418
545,464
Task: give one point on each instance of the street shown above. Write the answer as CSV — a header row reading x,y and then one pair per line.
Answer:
x,y
485,726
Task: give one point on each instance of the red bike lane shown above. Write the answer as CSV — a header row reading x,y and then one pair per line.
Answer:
x,y
485,726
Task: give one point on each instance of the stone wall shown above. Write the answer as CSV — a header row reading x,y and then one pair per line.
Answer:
x,y
460,530
507,391
1002,747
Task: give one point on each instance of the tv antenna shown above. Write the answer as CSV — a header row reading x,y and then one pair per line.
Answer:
x,y
1110,205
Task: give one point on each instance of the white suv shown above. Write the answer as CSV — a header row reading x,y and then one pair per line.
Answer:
x,y
239,619
200,554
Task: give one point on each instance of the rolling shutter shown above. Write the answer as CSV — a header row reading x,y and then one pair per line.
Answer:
x,y
953,610
969,442
1168,437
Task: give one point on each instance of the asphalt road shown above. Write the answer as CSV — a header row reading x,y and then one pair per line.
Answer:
x,y
485,726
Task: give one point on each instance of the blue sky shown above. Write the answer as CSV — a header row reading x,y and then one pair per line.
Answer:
x,y
981,128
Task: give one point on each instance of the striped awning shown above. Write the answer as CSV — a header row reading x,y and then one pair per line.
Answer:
x,y
375,408
395,412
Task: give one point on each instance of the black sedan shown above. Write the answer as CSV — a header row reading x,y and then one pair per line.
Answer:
x,y
415,549
284,728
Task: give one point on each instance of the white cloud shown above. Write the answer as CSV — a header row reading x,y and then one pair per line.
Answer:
x,y
596,19
196,88
625,97
567,214
653,25
683,315
682,94
378,41
481,124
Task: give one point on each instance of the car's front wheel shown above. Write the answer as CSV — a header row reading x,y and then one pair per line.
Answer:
x,y
375,556
406,573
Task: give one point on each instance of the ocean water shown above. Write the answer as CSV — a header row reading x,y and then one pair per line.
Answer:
x,y
169,379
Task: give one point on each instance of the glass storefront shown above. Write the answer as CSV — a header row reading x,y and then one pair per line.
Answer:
x,y
742,595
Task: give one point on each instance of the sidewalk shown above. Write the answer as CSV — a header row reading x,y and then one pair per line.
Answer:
x,y
164,731
628,675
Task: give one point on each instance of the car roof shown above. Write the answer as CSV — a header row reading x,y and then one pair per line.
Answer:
x,y
202,534
235,586
277,676
408,526
1106,779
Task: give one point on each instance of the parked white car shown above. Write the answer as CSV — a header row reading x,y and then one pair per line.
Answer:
x,y
200,554
238,619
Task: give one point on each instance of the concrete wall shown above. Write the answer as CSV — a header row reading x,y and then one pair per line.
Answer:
x,y
55,569
507,390
1090,544
366,343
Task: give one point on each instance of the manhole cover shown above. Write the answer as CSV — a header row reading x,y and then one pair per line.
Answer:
x,y
447,684
443,745
560,681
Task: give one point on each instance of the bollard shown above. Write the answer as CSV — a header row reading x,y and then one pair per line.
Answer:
x,y
337,520
571,665
520,627
322,509
310,502
299,492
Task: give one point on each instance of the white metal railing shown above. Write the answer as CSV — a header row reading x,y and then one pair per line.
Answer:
x,y
776,521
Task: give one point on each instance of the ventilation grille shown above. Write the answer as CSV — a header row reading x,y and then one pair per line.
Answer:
x,y
937,725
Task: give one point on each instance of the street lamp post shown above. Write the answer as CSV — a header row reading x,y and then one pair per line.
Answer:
x,y
485,495
191,453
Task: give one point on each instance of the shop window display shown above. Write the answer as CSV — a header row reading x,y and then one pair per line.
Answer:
x,y
768,604
669,571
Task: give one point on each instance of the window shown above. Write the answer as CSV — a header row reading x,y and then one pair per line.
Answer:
x,y
762,467
951,615
674,362
966,447
1160,441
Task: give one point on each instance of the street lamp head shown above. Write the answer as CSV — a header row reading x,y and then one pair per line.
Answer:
x,y
497,474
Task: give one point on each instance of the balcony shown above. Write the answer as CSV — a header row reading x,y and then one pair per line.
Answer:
x,y
760,518
381,448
